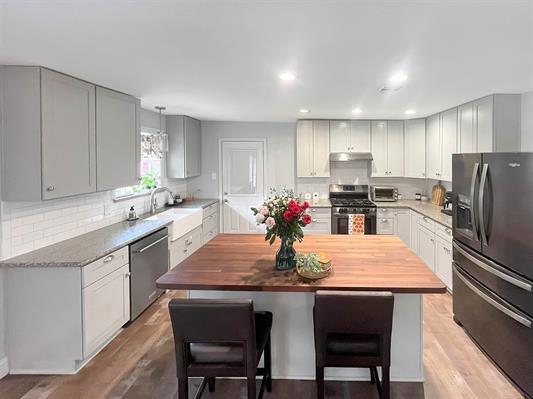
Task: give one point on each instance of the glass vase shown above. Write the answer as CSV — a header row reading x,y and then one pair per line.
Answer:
x,y
285,257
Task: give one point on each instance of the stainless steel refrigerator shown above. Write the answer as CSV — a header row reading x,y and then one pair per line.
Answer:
x,y
493,258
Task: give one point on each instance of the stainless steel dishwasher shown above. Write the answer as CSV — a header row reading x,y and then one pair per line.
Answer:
x,y
148,262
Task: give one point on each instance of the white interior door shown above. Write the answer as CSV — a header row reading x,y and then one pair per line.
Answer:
x,y
242,185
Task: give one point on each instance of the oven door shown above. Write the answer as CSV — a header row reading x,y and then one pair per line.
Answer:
x,y
339,224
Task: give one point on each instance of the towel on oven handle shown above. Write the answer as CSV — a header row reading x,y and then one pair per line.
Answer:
x,y
356,224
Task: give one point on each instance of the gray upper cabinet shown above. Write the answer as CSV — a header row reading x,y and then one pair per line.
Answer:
x,y
117,139
184,142
68,136
50,123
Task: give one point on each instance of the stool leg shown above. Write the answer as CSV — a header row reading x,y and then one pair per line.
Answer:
x,y
268,365
251,387
211,384
183,388
385,382
320,382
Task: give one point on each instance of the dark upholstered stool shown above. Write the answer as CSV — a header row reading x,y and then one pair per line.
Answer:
x,y
220,338
353,329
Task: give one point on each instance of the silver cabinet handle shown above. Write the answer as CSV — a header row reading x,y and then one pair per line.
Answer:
x,y
481,201
226,200
489,267
127,275
314,220
515,316
50,188
109,258
425,218
447,230
139,251
383,220
472,202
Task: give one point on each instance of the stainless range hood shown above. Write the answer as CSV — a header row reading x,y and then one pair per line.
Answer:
x,y
350,156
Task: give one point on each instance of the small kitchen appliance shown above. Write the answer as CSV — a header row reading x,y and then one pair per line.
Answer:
x,y
447,206
384,193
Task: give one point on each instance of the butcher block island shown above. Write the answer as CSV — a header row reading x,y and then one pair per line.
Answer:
x,y
242,266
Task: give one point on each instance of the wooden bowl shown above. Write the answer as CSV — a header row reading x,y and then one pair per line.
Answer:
x,y
314,275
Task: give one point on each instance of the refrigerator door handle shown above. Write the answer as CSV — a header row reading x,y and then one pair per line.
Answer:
x,y
513,315
481,199
487,267
472,201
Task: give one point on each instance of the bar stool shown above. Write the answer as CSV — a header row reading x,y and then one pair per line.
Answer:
x,y
220,338
353,329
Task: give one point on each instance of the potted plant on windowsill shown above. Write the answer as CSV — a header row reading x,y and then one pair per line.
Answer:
x,y
284,217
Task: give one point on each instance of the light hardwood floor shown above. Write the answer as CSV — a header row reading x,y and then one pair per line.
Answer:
x,y
139,363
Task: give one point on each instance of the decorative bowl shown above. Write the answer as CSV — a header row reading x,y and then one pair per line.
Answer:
x,y
313,266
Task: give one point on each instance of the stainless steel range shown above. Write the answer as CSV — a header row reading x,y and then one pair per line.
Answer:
x,y
351,200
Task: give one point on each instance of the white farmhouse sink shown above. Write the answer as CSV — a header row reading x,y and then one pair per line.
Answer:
x,y
183,220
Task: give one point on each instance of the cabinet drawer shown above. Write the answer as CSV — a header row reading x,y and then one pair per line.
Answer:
x,y
318,226
385,226
427,223
444,232
208,235
320,213
210,222
178,252
210,210
103,266
385,212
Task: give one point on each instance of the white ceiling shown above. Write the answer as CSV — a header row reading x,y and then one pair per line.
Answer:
x,y
220,60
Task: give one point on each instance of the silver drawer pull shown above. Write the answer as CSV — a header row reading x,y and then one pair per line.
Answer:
x,y
127,275
448,231
488,268
139,251
50,188
513,315
425,218
109,258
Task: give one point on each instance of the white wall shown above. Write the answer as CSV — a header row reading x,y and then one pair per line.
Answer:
x,y
26,226
280,153
527,121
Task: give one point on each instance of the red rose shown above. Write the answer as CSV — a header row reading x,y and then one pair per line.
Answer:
x,y
305,205
306,219
288,215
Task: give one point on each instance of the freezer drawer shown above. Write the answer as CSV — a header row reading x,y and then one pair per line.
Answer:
x,y
502,331
503,282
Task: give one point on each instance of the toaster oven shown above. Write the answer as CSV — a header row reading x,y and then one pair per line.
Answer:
x,y
384,193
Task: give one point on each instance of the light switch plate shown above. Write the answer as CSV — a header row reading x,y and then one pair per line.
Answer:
x,y
213,176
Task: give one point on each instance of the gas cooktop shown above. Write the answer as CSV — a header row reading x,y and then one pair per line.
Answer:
x,y
352,202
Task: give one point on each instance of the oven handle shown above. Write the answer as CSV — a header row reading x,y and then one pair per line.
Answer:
x,y
504,276
513,315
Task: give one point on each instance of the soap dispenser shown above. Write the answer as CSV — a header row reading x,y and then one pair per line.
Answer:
x,y
132,215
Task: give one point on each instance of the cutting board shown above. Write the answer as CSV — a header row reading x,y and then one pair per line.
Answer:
x,y
437,194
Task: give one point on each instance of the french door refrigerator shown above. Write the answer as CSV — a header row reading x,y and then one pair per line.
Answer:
x,y
493,258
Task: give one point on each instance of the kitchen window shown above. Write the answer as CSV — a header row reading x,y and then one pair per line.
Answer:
x,y
150,167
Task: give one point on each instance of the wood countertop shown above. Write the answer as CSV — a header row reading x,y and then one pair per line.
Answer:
x,y
236,262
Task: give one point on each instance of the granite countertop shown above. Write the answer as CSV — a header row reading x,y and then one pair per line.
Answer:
x,y
82,250
423,207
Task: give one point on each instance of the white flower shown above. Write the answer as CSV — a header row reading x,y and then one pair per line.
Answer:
x,y
270,222
263,210
259,218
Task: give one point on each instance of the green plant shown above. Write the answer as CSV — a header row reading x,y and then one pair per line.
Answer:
x,y
148,181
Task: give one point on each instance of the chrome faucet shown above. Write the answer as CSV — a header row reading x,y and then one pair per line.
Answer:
x,y
153,199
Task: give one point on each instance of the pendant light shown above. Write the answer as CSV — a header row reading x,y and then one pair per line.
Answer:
x,y
163,135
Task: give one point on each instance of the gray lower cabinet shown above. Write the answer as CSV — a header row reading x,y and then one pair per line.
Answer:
x,y
50,124
117,139
184,141
320,221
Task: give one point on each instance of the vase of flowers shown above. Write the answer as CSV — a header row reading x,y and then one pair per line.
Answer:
x,y
284,216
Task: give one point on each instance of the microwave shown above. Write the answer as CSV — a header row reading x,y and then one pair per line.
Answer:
x,y
384,193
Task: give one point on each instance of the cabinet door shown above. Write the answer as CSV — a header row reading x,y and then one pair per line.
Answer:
x,y
433,147
321,148
106,308
426,246
415,148
385,226
68,136
465,125
444,262
360,136
193,147
178,251
402,225
379,149
483,124
449,142
395,148
304,149
339,136
117,139
414,231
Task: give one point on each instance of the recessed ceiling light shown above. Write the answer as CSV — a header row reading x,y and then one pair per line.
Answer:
x,y
357,110
399,77
287,76
409,111
304,110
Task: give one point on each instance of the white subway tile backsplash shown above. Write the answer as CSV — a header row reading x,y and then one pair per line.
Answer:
x,y
26,226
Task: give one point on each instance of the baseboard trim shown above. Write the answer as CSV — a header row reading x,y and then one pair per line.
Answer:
x,y
4,367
